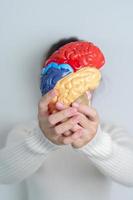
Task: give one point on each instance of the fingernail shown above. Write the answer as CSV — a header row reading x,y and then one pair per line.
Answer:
x,y
61,105
75,104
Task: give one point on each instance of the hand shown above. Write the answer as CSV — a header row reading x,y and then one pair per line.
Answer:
x,y
89,122
53,126
85,130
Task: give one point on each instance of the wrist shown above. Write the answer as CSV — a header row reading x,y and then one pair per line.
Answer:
x,y
99,147
39,143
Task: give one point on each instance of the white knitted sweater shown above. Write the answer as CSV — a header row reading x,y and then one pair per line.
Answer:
x,y
55,172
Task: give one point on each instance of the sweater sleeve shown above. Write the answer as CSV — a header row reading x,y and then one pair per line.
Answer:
x,y
111,151
25,151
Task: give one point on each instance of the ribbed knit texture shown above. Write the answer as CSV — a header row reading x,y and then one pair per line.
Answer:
x,y
26,150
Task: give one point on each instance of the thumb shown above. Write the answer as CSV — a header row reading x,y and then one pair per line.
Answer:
x,y
45,100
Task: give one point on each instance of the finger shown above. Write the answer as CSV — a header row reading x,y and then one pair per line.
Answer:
x,y
79,141
67,133
72,137
84,121
61,115
45,100
60,106
87,110
75,127
77,134
65,126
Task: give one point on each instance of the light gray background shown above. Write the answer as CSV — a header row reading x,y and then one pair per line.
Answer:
x,y
28,27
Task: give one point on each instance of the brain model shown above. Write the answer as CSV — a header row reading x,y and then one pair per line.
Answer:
x,y
72,70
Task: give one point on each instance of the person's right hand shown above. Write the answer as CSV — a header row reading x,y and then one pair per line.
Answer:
x,y
54,126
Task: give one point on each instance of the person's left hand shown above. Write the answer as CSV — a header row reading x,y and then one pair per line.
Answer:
x,y
88,122
86,128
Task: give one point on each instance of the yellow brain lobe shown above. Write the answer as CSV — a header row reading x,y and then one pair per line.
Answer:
x,y
76,84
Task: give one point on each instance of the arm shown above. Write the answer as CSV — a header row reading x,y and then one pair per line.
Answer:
x,y
25,151
111,151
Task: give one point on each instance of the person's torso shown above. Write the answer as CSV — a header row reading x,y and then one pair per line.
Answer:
x,y
68,175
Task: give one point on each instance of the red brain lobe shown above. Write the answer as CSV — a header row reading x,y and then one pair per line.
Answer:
x,y
78,54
